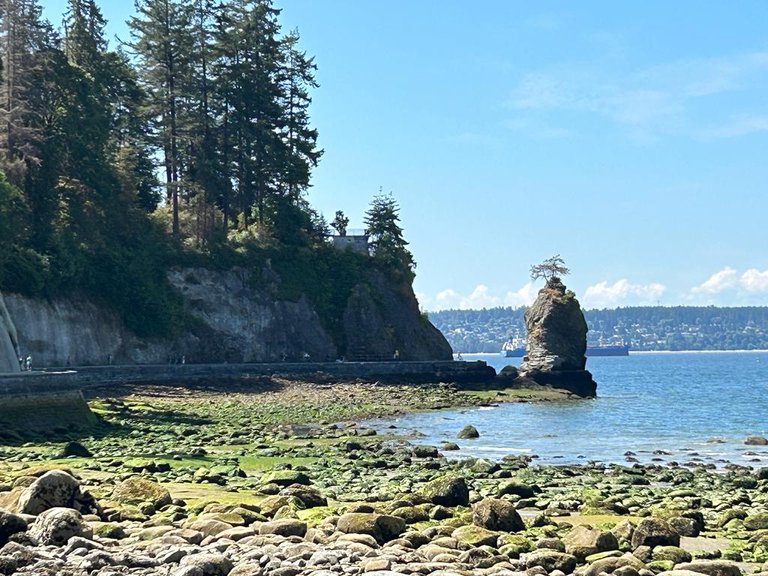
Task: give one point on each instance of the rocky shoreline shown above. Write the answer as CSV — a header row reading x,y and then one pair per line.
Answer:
x,y
277,478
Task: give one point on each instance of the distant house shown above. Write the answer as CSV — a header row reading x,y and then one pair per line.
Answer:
x,y
355,240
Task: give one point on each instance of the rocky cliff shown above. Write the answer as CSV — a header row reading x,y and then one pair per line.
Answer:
x,y
234,318
557,342
9,355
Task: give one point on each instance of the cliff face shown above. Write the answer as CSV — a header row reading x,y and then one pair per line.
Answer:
x,y
383,321
234,320
9,360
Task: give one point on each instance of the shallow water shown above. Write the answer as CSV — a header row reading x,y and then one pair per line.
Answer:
x,y
695,406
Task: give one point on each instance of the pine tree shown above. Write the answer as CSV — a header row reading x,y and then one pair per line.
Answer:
x,y
247,58
160,33
296,78
386,241
24,39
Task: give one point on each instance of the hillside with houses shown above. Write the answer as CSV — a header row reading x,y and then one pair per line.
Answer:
x,y
647,328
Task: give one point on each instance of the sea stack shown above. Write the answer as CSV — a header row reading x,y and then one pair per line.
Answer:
x,y
557,341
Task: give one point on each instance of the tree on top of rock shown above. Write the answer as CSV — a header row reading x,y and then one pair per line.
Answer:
x,y
551,270
386,236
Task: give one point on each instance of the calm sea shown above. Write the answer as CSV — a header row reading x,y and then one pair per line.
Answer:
x,y
663,407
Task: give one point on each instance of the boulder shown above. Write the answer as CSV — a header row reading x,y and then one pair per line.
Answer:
x,y
137,490
654,532
497,514
612,564
475,536
54,489
446,491
56,526
75,449
468,432
210,564
550,560
284,527
515,488
309,496
584,540
285,478
756,441
10,524
382,527
711,567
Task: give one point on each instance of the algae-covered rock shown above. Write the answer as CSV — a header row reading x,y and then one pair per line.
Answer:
x,y
497,514
285,478
381,526
309,496
271,504
654,532
284,527
757,521
74,448
446,491
550,560
612,564
584,540
674,554
475,536
137,490
712,568
515,488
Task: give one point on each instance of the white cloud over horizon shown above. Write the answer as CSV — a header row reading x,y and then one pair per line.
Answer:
x,y
738,287
725,287
605,295
480,297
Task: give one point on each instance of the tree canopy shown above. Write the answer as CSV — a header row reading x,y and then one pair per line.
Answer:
x,y
190,143
551,269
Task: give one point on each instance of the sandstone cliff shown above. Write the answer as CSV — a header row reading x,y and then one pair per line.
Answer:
x,y
234,319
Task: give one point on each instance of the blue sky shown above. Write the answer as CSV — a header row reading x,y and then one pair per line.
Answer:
x,y
629,137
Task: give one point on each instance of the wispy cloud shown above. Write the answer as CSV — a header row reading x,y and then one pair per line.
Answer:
x,y
606,295
739,125
655,100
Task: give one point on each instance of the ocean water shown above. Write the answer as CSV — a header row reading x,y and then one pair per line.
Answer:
x,y
663,407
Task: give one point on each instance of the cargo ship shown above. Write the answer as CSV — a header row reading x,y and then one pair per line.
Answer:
x,y
511,349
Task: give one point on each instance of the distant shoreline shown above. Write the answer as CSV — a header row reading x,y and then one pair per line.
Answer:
x,y
633,352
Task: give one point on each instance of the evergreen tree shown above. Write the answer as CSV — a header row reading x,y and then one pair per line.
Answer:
x,y
296,78
248,54
387,245
25,38
160,33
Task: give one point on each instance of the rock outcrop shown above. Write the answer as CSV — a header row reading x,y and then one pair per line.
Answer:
x,y
237,318
557,342
9,357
